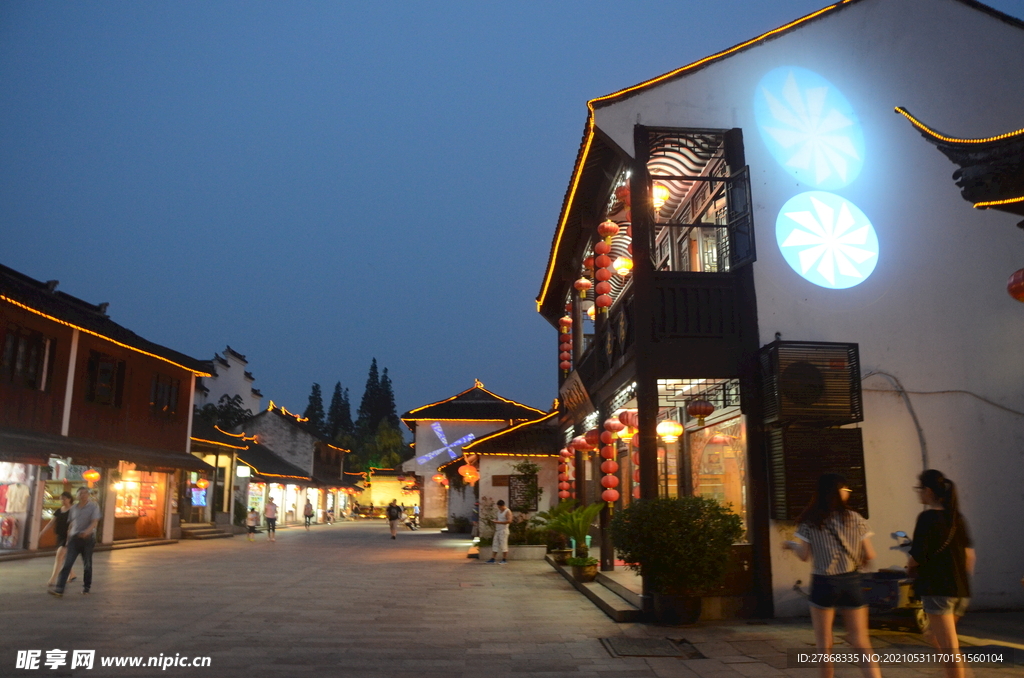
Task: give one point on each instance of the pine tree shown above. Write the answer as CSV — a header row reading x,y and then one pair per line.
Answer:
x,y
367,418
345,420
315,409
387,401
333,424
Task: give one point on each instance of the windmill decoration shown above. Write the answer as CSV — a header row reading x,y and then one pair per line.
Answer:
x,y
450,448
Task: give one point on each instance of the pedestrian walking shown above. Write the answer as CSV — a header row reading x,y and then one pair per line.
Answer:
x,y
943,556
270,515
394,513
308,512
251,521
837,540
500,543
83,518
59,524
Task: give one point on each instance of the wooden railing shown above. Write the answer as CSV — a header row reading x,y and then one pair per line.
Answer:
x,y
694,306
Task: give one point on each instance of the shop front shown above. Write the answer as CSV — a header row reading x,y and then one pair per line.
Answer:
x,y
65,476
17,500
139,503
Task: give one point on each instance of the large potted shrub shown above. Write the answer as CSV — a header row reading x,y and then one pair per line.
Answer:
x,y
681,547
557,543
575,524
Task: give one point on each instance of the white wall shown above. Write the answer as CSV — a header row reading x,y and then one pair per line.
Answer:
x,y
229,381
547,479
934,312
286,441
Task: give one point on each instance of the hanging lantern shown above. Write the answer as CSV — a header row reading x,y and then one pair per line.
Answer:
x,y
466,470
610,495
202,483
565,324
591,311
565,365
582,285
607,437
564,345
607,229
580,443
669,430
565,355
622,194
613,424
603,261
602,247
699,410
472,476
629,418
636,476
610,481
604,301
609,466
563,494
91,476
588,263
603,288
623,266
1015,285
563,477
636,492
564,485
438,478
593,438
636,458
659,195
602,275
565,452
607,452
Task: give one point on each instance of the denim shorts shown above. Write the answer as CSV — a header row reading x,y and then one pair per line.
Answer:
x,y
945,605
841,591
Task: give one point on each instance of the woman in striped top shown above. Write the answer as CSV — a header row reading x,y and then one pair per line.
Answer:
x,y
836,540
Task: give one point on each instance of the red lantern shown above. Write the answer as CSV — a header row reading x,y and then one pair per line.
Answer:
x,y
606,229
622,194
565,365
613,424
466,470
603,288
202,483
610,481
636,476
607,452
699,410
582,285
563,494
609,466
580,443
565,452
565,346
565,323
593,437
607,437
438,478
611,496
565,355
630,418
91,476
588,263
563,477
636,492
636,458
1015,285
603,274
602,247
603,301
603,261
563,485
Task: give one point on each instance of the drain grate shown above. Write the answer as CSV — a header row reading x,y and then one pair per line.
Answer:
x,y
622,646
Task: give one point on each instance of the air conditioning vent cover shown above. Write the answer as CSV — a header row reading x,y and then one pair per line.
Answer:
x,y
810,382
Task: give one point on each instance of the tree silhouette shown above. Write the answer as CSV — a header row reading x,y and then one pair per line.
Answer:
x,y
315,409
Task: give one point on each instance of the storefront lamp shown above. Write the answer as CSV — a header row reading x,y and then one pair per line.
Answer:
x,y
623,266
91,476
669,430
659,195
242,471
202,483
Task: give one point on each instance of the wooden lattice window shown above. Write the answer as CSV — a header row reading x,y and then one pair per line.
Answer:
x,y
523,493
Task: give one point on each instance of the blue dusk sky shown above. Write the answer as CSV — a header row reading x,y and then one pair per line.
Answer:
x,y
320,183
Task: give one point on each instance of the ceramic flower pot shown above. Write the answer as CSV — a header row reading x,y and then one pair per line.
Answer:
x,y
584,573
559,555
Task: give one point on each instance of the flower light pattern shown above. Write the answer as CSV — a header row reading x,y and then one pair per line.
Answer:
x,y
809,127
827,240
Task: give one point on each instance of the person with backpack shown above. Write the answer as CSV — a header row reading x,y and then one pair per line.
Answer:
x,y
394,513
943,556
835,538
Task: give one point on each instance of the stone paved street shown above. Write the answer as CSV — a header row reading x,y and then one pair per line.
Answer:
x,y
345,600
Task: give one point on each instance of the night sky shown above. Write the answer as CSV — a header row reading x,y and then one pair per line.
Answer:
x,y
320,183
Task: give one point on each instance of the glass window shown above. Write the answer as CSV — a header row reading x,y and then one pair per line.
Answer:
x,y
718,465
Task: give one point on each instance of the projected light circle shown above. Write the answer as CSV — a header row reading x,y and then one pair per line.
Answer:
x,y
809,127
827,240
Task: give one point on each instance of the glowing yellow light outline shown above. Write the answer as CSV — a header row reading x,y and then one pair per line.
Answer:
x,y
280,409
212,442
932,133
235,435
647,83
496,434
273,475
993,203
475,385
97,334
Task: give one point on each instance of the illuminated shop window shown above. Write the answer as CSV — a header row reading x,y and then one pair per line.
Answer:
x,y
827,240
809,127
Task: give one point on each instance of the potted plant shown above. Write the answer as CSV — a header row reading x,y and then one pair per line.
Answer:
x,y
583,569
575,524
680,546
557,542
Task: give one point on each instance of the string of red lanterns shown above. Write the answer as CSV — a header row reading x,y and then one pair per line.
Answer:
x,y
609,466
565,343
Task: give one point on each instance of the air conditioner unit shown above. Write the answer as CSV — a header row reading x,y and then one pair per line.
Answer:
x,y
798,456
804,381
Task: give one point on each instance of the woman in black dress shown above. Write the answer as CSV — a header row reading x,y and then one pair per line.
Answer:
x,y
59,523
944,557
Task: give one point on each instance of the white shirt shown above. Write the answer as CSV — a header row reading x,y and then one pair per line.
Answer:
x,y
503,514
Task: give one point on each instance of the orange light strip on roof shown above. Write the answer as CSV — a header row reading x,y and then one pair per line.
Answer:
x,y
212,442
475,385
953,140
496,434
272,475
995,203
281,410
235,435
105,338
647,83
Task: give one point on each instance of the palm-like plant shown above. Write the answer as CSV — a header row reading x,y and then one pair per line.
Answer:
x,y
575,524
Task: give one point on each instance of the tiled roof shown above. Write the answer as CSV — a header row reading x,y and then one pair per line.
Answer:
x,y
474,404
44,299
538,437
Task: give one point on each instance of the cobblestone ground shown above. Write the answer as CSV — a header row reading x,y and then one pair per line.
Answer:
x,y
345,600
